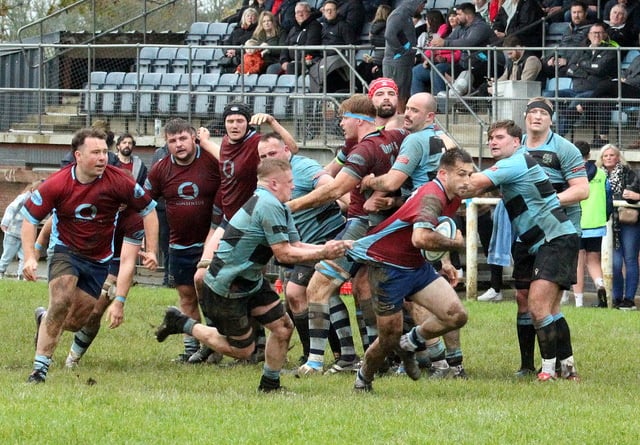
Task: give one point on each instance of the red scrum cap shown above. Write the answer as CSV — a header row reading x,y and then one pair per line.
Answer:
x,y
381,82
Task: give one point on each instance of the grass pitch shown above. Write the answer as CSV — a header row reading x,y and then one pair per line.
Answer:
x,y
127,390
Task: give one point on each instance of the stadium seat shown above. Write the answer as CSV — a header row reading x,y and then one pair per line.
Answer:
x,y
266,84
147,97
202,60
628,58
91,102
180,63
196,33
216,33
113,82
226,84
188,83
364,35
203,103
554,35
282,101
164,59
557,83
148,54
166,99
128,91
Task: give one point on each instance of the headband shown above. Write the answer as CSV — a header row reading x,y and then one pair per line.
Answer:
x,y
360,116
381,82
539,104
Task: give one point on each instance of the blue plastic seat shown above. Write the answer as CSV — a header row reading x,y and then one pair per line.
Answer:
x,y
148,54
188,83
111,88
196,33
266,83
91,102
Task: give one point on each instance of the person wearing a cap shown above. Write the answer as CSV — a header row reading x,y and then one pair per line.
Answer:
x,y
188,180
236,295
374,153
383,92
238,161
563,164
399,52
545,253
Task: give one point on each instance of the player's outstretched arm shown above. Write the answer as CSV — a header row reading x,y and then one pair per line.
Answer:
x,y
264,118
296,253
207,144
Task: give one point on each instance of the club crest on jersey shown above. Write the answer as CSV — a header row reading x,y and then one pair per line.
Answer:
x,y
188,190
547,158
86,212
228,169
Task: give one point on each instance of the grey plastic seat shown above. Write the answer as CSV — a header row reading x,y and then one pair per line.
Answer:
x,y
203,102
180,63
282,101
112,84
226,84
202,59
162,63
216,32
196,33
128,92
266,84
188,83
148,54
91,101
165,98
147,97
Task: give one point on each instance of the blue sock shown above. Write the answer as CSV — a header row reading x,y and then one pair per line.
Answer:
x,y
270,373
41,364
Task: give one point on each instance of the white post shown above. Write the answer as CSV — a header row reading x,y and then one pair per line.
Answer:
x,y
606,261
472,250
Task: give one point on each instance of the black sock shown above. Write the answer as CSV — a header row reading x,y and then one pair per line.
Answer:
x,y
301,321
548,340
526,340
564,339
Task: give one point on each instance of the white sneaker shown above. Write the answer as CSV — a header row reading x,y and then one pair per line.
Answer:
x,y
491,295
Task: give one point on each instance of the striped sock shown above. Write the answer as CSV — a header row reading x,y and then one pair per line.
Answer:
x,y
339,317
318,331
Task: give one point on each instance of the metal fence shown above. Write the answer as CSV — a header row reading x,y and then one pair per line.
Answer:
x,y
136,90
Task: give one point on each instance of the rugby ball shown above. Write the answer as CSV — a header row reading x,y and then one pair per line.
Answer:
x,y
446,227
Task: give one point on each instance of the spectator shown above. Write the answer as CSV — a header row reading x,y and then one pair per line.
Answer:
x,y
521,63
258,5
269,34
633,11
482,9
352,12
436,24
335,30
284,11
420,25
306,31
521,17
11,226
621,30
240,35
332,70
399,56
598,111
624,185
472,32
596,210
556,64
587,68
252,62
371,66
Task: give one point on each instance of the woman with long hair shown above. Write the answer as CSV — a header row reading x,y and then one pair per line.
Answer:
x,y
269,34
626,234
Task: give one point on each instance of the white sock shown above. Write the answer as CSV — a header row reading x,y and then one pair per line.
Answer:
x,y
599,282
579,298
549,365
